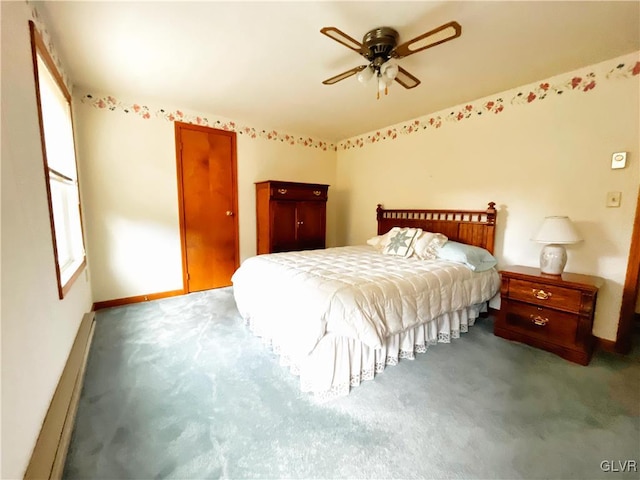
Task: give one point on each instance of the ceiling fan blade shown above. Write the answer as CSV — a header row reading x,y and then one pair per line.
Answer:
x,y
405,79
341,37
439,35
343,75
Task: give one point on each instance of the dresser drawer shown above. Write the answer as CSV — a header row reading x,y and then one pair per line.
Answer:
x,y
545,295
542,323
297,193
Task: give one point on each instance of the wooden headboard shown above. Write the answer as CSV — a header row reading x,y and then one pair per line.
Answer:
x,y
474,227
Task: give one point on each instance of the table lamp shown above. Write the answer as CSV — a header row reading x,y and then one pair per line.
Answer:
x,y
555,232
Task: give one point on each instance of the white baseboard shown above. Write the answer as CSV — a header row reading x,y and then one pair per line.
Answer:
x,y
49,454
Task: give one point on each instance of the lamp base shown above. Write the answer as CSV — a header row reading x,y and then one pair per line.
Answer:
x,y
553,258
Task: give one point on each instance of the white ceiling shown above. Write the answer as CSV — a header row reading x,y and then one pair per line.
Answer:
x,y
262,63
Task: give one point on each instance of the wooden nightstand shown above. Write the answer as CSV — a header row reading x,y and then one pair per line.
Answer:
x,y
552,312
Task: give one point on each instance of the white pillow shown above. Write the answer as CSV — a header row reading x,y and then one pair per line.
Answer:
x,y
379,242
401,242
426,245
476,258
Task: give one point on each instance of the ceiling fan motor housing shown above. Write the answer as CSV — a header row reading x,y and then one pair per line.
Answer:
x,y
379,44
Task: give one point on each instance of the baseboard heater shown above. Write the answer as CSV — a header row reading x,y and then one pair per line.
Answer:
x,y
50,451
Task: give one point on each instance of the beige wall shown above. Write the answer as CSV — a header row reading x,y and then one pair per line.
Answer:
x,y
38,329
547,157
130,194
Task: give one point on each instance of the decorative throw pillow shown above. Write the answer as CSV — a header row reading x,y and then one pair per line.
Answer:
x,y
401,242
379,242
427,244
476,258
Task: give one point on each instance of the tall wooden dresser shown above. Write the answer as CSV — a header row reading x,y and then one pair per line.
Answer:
x,y
290,216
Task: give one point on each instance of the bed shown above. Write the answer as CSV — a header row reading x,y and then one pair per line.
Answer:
x,y
339,316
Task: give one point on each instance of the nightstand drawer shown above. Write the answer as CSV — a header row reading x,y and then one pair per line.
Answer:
x,y
542,323
545,295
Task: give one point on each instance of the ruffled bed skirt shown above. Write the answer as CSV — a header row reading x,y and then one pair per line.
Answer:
x,y
338,363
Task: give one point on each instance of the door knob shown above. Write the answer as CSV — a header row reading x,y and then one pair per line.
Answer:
x,y
229,213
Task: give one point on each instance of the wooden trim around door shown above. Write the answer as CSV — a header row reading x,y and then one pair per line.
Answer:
x,y
183,239
630,289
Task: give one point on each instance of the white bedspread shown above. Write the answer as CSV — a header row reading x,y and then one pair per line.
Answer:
x,y
295,298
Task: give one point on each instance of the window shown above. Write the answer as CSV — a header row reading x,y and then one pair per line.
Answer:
x,y
58,148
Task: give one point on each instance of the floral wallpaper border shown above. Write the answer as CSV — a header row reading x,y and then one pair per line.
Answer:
x,y
46,37
582,83
111,103
577,83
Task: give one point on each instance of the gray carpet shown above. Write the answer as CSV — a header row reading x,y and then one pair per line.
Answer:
x,y
179,388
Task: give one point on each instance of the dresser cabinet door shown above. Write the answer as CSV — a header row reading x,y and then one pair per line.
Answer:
x,y
283,231
311,225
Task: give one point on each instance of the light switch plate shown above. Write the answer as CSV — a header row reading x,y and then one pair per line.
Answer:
x,y
619,160
613,199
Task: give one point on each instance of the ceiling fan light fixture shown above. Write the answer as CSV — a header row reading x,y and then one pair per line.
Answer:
x,y
390,70
386,80
365,75
384,83
384,75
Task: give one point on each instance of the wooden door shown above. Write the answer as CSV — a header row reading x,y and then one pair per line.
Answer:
x,y
207,190
624,337
311,224
283,230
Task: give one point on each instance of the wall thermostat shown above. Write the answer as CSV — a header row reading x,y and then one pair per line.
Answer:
x,y
619,160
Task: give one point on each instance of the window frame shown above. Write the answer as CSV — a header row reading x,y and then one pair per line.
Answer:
x,y
39,49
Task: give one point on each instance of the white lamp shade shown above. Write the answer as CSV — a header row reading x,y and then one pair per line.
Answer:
x,y
557,230
390,70
365,75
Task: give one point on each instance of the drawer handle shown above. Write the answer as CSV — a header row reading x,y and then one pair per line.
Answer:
x,y
282,191
317,193
538,320
541,294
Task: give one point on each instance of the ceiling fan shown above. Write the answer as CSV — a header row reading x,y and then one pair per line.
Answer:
x,y
380,47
